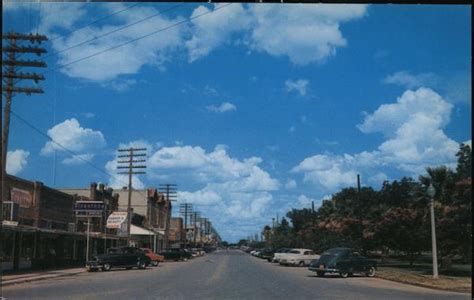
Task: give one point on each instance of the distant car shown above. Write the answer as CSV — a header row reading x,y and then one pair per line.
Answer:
x,y
279,253
298,257
267,254
197,252
343,261
176,254
121,257
155,258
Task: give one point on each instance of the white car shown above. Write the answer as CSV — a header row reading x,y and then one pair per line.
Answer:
x,y
297,257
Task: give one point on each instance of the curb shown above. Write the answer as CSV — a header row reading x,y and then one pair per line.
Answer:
x,y
38,278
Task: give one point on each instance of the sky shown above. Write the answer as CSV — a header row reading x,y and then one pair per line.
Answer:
x,y
251,110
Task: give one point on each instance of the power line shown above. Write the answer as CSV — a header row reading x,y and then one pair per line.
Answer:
x,y
95,21
136,39
68,150
113,31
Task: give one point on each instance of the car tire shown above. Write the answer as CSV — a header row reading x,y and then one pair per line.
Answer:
x,y
301,264
320,273
106,267
344,274
142,264
154,263
185,259
370,272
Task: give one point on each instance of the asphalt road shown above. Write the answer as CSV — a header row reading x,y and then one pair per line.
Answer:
x,y
220,275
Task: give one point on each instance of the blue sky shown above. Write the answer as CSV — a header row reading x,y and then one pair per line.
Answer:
x,y
250,109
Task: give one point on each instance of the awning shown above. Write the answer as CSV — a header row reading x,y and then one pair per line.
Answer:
x,y
136,230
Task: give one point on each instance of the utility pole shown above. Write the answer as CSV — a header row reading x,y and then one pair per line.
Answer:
x,y
130,165
171,192
195,216
10,77
358,183
185,209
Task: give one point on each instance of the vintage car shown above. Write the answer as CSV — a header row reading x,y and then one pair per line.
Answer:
x,y
267,253
176,254
278,253
154,258
121,257
343,261
298,257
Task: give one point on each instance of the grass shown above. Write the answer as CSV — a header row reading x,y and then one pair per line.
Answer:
x,y
456,279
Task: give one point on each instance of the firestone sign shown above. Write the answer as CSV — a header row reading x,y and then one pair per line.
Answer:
x,y
89,208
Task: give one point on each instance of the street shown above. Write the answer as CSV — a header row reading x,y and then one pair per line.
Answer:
x,y
220,275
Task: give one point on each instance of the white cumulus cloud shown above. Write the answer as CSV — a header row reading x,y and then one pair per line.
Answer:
x,y
298,86
223,107
413,128
69,134
16,161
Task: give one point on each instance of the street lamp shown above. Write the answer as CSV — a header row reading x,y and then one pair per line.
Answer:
x,y
431,191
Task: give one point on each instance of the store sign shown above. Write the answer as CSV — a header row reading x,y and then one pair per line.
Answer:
x,y
10,223
89,209
116,219
22,197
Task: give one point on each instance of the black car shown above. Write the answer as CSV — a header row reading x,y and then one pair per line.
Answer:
x,y
267,254
344,261
176,254
120,257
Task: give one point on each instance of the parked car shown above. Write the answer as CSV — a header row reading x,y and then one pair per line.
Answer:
x,y
155,258
121,257
298,257
197,252
267,253
279,253
176,254
344,261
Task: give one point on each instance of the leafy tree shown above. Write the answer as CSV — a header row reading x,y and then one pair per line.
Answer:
x,y
403,229
464,166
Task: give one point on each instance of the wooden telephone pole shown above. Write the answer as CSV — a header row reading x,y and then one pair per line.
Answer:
x,y
171,192
130,165
10,78
185,210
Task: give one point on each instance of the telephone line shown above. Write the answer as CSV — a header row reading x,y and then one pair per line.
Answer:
x,y
136,39
68,150
95,21
111,32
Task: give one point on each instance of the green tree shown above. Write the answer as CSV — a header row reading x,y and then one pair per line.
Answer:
x,y
464,166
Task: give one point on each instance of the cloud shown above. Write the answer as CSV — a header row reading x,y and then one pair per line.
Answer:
x,y
299,86
454,86
215,29
305,201
410,81
78,159
129,59
303,33
414,140
70,134
16,161
290,184
224,107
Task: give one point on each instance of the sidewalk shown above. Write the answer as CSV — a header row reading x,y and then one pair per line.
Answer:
x,y
35,276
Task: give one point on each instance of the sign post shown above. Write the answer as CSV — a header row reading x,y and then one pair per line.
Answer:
x,y
89,209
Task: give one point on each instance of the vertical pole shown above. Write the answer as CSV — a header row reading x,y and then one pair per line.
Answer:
x,y
129,210
312,211
6,128
87,239
185,224
358,183
194,235
433,240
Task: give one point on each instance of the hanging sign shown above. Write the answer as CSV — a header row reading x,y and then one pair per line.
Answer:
x,y
116,219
